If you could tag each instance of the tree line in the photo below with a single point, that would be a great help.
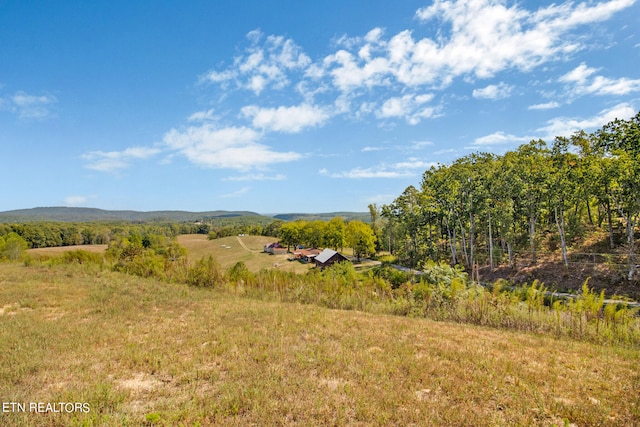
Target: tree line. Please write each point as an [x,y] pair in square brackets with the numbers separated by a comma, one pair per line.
[335,234]
[484,208]
[45,234]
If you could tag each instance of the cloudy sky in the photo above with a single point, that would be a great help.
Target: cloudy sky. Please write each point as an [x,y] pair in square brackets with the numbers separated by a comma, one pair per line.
[291,106]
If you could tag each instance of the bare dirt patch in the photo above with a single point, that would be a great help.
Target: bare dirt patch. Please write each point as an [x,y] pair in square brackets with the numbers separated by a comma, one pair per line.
[557,277]
[139,383]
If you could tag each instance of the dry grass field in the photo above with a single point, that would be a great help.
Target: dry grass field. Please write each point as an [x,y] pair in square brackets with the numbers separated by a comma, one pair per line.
[45,252]
[248,249]
[144,352]
[227,251]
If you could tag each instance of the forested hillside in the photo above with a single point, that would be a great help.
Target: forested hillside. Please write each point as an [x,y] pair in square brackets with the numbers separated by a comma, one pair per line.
[543,199]
[69,214]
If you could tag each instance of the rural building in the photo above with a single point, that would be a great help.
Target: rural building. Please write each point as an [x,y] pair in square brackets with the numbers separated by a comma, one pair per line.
[306,255]
[328,257]
[275,248]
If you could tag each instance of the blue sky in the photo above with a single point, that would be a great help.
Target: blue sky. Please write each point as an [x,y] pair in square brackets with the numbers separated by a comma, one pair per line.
[290,106]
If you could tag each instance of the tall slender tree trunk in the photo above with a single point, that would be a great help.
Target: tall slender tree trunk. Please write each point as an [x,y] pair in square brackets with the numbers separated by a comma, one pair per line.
[490,242]
[631,243]
[463,240]
[532,233]
[452,242]
[589,211]
[561,232]
[609,219]
[472,243]
[610,225]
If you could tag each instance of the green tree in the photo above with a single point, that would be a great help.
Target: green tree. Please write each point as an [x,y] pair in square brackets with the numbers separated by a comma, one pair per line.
[374,212]
[406,213]
[292,233]
[360,237]
[334,233]
[620,140]
[273,228]
[314,233]
[532,168]
[13,247]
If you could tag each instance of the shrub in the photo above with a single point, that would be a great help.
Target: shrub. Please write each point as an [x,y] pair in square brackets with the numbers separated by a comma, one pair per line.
[442,273]
[82,257]
[205,273]
[13,247]
[239,273]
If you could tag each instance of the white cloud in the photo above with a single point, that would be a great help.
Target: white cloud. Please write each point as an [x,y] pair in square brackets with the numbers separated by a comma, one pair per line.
[499,138]
[563,126]
[112,161]
[349,72]
[76,200]
[29,107]
[584,13]
[445,151]
[560,126]
[413,163]
[475,40]
[361,173]
[546,106]
[232,147]
[202,116]
[264,65]
[418,145]
[584,81]
[239,193]
[478,39]
[410,168]
[286,119]
[409,107]
[493,92]
[396,107]
[369,149]
[257,177]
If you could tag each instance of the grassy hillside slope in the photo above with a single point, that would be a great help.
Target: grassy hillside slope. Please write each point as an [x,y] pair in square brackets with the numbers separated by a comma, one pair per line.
[141,351]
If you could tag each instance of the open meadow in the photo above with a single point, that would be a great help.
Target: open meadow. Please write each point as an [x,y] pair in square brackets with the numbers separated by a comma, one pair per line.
[248,249]
[143,352]
[57,250]
[227,251]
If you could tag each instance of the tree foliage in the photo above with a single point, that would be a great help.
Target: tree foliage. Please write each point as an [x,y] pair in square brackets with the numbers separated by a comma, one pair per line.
[483,209]
[360,237]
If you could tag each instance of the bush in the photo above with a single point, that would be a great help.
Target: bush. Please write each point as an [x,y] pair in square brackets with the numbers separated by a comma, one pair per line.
[205,273]
[239,273]
[12,247]
[442,273]
[82,257]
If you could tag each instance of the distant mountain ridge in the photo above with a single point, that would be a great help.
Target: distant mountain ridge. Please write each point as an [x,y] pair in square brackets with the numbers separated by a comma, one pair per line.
[76,214]
[72,214]
[362,216]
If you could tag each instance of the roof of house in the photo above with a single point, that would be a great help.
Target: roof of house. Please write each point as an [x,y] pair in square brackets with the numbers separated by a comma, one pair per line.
[307,252]
[326,255]
[273,245]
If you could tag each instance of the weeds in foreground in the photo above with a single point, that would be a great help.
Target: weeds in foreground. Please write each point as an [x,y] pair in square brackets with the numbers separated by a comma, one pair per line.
[141,351]
[441,292]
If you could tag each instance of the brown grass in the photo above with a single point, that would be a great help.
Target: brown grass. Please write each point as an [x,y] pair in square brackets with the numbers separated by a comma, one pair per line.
[61,249]
[145,352]
[228,250]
